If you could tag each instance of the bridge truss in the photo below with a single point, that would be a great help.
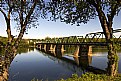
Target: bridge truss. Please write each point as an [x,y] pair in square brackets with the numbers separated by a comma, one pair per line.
[97,37]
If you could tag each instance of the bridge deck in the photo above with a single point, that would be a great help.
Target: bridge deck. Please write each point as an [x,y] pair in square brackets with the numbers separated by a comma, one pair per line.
[97,38]
[82,43]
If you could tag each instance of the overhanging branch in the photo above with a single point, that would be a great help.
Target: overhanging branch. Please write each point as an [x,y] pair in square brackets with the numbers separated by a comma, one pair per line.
[4,14]
[30,13]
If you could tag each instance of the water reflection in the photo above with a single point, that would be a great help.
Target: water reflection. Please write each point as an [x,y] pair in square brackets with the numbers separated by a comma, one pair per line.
[5,61]
[24,50]
[30,63]
[42,66]
[83,62]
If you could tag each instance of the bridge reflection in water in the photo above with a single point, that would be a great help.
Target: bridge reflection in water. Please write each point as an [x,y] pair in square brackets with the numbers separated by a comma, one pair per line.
[63,57]
[74,61]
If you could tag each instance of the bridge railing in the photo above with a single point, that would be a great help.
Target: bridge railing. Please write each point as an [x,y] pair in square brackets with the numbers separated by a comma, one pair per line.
[90,37]
[95,37]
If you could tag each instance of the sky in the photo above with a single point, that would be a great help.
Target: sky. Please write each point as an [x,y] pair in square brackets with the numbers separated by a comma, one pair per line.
[59,29]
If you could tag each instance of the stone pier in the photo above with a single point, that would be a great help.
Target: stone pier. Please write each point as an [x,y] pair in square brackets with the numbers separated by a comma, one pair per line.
[83,50]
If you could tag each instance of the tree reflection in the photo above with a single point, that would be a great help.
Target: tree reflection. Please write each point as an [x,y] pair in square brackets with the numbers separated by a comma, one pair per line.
[6,59]
[5,62]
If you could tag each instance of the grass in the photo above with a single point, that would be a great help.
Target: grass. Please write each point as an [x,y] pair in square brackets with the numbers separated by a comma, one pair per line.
[92,77]
[89,77]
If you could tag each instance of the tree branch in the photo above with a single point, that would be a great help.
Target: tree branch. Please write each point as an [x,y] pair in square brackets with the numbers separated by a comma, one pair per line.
[102,18]
[30,12]
[7,18]
[21,13]
[4,14]
[23,27]
[112,13]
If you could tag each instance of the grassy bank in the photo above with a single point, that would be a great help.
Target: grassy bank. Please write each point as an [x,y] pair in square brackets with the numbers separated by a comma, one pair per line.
[89,77]
[92,77]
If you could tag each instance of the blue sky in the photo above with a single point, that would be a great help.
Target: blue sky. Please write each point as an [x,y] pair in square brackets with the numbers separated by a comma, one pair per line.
[59,29]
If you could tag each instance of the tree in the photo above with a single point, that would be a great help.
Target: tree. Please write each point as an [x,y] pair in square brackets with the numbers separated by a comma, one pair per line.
[24,13]
[81,11]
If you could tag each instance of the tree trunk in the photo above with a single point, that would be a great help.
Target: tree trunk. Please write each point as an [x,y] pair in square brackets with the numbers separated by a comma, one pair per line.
[112,53]
[112,68]
[108,32]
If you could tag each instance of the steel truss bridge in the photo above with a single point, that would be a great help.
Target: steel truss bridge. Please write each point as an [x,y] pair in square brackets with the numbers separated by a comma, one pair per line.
[97,38]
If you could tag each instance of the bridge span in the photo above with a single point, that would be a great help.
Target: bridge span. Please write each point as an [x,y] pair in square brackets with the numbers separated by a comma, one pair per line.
[84,43]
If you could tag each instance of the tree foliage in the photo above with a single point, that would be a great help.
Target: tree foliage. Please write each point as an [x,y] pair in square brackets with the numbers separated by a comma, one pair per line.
[21,8]
[25,13]
[81,11]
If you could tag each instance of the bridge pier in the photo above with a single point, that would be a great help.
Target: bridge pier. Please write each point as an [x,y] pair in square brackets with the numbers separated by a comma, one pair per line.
[83,50]
[51,47]
[38,46]
[48,48]
[53,50]
[41,47]
[76,53]
[59,49]
[45,47]
[83,55]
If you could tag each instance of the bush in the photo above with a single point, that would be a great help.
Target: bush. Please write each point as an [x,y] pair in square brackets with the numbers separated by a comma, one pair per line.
[92,77]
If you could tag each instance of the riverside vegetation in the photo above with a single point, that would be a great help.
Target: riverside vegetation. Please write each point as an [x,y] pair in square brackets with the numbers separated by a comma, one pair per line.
[26,14]
[92,77]
[89,77]
[23,43]
[74,77]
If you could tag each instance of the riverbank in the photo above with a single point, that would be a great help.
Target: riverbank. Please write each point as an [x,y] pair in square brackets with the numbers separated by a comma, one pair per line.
[93,77]
[89,77]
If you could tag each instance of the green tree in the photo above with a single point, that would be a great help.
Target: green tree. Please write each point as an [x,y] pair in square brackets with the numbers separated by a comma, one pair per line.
[81,11]
[24,13]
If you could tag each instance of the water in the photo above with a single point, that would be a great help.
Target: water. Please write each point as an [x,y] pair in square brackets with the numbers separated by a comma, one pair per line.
[35,64]
[31,64]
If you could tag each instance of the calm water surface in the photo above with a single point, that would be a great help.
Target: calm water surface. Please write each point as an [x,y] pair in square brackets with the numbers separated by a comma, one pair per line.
[33,63]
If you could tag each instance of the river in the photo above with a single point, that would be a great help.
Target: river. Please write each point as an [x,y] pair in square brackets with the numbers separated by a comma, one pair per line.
[31,63]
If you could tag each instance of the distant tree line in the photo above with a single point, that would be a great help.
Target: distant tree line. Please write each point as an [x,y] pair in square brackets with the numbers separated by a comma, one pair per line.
[23,43]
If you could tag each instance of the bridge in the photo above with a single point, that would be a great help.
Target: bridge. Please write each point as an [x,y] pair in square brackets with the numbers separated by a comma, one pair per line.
[77,64]
[97,38]
[84,43]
